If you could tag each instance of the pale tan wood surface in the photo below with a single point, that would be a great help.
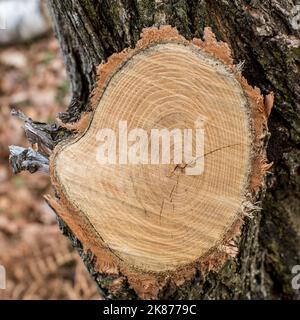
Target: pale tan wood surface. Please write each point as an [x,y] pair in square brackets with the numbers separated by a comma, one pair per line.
[153,217]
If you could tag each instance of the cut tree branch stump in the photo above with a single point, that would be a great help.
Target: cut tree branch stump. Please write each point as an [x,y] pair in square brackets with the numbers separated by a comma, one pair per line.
[148,226]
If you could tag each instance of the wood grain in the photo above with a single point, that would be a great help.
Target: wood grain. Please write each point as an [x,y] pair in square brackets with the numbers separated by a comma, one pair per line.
[153,217]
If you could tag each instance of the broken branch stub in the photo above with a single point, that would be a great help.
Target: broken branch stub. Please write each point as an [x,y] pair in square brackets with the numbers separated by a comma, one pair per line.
[26,159]
[156,185]
[44,135]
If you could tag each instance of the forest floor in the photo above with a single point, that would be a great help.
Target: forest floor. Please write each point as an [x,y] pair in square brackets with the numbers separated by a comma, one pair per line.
[39,261]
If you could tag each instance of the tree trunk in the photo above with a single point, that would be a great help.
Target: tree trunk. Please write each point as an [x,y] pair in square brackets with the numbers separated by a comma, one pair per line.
[264,36]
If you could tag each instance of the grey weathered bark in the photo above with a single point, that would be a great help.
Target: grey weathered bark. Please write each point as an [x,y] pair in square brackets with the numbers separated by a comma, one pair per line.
[263,35]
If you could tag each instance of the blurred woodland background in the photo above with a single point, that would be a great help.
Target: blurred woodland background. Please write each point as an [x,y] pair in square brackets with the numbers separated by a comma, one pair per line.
[40,262]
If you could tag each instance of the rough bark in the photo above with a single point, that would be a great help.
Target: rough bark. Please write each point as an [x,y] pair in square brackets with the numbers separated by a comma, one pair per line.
[263,38]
